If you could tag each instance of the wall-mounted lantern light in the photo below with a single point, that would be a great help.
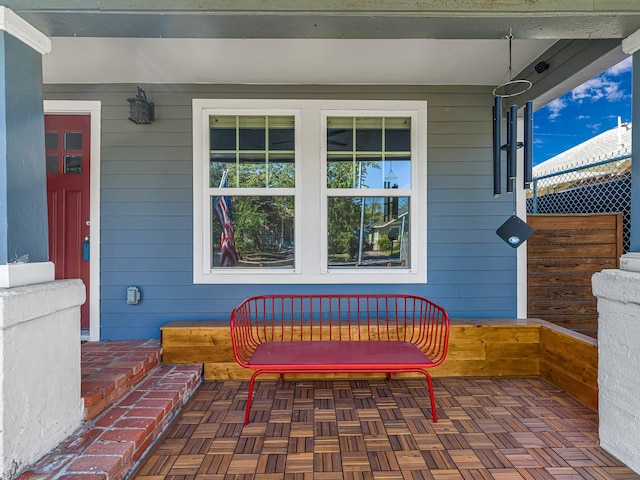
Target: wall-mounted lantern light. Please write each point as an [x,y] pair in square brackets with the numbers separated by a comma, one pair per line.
[140,110]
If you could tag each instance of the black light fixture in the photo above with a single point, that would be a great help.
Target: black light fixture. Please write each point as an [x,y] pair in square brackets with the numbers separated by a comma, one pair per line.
[140,110]
[515,231]
[541,66]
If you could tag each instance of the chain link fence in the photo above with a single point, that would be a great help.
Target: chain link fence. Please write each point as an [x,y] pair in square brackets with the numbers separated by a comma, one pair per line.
[598,187]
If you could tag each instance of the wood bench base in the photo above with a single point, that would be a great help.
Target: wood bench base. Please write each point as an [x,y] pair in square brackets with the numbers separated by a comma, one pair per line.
[477,348]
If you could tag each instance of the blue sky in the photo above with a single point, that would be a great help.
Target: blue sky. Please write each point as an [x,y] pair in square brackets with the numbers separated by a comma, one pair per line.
[584,112]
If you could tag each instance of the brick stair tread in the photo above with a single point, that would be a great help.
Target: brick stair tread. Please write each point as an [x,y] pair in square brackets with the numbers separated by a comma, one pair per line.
[113,370]
[109,446]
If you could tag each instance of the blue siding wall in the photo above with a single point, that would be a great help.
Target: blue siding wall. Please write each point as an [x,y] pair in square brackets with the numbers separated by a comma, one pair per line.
[147,206]
[23,194]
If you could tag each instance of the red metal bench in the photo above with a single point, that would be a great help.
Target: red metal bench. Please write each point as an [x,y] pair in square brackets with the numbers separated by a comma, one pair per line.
[339,334]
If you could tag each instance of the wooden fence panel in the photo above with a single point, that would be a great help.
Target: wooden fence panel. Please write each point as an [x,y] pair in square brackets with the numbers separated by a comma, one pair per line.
[563,254]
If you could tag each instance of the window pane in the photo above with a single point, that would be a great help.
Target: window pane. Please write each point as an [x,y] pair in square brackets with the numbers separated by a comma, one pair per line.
[222,132]
[369,134]
[251,133]
[368,231]
[382,154]
[258,231]
[281,133]
[340,134]
[251,170]
[397,134]
[219,163]
[281,170]
[341,171]
[396,173]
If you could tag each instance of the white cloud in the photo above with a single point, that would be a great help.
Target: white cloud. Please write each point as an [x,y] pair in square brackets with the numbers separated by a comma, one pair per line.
[583,117]
[623,67]
[591,89]
[613,92]
[596,89]
[555,107]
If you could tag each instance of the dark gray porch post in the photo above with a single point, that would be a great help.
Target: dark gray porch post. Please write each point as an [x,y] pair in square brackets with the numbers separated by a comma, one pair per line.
[24,248]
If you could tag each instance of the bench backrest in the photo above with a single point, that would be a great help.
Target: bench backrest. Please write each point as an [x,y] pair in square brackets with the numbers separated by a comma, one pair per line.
[392,317]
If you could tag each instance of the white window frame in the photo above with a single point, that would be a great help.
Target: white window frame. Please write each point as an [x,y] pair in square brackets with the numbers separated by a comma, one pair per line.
[310,192]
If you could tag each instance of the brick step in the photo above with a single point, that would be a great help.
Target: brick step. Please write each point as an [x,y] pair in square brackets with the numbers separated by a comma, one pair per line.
[110,370]
[109,446]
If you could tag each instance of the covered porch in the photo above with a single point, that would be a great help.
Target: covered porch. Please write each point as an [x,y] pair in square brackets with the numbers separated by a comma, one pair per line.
[142,216]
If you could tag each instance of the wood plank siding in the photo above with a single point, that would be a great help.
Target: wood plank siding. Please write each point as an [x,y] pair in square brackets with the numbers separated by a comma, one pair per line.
[563,254]
[147,206]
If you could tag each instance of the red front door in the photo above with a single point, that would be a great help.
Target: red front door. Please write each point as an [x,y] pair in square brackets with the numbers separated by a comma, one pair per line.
[67,157]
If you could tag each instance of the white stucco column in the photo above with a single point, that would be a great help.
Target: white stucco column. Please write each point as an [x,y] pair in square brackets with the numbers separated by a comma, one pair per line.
[40,400]
[618,293]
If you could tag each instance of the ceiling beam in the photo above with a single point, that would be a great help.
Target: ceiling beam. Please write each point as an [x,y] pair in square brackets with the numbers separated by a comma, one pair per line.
[463,19]
[457,8]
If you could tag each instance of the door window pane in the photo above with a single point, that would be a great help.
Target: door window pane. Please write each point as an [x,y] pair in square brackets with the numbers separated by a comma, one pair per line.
[51,140]
[73,140]
[52,163]
[73,164]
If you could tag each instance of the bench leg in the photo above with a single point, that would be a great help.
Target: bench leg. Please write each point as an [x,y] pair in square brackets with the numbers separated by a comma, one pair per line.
[388,376]
[433,401]
[249,396]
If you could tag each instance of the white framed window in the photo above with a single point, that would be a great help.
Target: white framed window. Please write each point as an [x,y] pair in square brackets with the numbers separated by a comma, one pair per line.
[309,191]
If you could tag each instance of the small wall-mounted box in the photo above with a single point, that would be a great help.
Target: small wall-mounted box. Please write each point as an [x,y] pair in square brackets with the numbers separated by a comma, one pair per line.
[133,295]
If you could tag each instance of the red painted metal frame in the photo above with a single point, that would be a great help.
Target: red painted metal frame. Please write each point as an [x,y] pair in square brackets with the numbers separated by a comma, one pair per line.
[382,321]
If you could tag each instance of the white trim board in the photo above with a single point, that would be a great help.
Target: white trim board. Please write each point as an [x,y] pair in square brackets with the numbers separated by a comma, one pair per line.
[92,108]
[24,31]
[20,274]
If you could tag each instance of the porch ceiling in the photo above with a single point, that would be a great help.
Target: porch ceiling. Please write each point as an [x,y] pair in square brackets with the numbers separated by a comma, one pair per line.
[319,41]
